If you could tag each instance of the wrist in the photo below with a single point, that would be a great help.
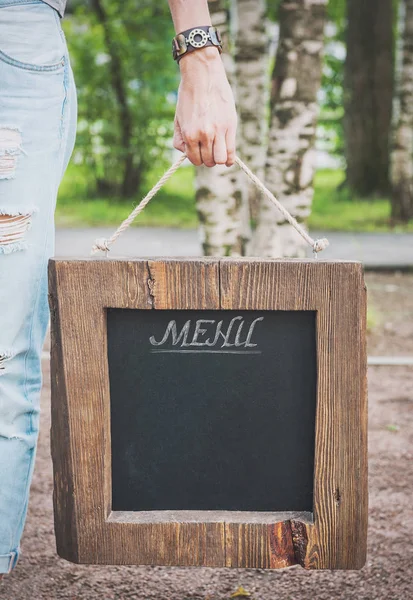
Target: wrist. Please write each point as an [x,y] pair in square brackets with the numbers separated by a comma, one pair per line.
[208,57]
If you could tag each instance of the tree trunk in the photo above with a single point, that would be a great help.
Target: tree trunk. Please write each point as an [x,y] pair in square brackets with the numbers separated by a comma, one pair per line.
[402,157]
[251,64]
[368,85]
[131,175]
[219,189]
[291,155]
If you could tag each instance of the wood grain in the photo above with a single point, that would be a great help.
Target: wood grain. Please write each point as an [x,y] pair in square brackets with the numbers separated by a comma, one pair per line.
[336,291]
[86,529]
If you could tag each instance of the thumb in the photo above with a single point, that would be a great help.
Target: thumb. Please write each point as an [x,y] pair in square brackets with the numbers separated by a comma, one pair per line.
[178,140]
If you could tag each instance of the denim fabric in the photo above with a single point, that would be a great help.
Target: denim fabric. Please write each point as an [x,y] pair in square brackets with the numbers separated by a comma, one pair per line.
[37,130]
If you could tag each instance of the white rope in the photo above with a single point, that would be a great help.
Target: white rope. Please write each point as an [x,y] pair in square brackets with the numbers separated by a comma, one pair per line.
[104,244]
[317,245]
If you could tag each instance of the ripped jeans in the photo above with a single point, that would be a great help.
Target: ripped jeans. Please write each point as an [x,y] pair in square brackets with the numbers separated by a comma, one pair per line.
[37,130]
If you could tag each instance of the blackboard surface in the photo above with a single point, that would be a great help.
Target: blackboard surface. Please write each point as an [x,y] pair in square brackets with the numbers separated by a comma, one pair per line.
[214,416]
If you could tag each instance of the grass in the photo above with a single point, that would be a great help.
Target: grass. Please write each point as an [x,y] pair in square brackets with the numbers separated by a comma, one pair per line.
[174,205]
[336,210]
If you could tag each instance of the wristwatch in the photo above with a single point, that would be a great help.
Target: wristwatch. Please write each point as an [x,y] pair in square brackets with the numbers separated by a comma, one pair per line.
[195,38]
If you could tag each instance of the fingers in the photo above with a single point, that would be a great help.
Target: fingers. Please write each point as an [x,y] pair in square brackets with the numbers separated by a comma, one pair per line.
[212,147]
[230,140]
[208,146]
[188,144]
[178,140]
[220,149]
[214,150]
[206,138]
[193,150]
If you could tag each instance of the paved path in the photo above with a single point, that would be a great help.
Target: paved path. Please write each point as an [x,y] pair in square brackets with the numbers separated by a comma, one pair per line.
[375,250]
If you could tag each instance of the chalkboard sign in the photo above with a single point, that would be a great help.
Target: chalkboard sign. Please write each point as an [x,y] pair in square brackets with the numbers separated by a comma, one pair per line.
[209,412]
[206,404]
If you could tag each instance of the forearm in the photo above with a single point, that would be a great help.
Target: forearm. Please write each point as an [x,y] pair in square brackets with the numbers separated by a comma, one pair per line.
[189,13]
[205,119]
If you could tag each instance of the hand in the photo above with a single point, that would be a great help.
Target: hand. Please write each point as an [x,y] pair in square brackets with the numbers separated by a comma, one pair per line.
[206,119]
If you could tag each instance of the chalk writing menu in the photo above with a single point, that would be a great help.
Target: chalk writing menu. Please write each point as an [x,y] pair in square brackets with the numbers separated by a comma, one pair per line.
[212,410]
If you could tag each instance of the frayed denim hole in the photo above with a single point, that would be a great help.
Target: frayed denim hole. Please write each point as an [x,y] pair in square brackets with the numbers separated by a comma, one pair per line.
[10,148]
[13,229]
[5,355]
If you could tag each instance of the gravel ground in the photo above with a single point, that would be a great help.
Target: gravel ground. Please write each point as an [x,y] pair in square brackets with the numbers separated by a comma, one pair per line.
[388,572]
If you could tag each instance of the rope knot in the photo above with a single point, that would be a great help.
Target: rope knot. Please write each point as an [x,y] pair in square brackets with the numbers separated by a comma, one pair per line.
[100,244]
[320,245]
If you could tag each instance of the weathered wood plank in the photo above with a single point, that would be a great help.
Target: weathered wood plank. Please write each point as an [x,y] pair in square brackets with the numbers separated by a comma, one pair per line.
[63,494]
[184,284]
[81,290]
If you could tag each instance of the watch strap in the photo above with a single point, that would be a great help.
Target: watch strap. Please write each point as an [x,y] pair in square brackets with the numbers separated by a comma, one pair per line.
[194,39]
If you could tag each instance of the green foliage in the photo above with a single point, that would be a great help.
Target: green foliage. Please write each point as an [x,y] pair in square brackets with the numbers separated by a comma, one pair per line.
[336,11]
[139,37]
[272,9]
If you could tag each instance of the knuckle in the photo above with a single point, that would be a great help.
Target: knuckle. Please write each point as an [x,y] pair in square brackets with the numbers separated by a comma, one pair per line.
[224,126]
[190,136]
[207,133]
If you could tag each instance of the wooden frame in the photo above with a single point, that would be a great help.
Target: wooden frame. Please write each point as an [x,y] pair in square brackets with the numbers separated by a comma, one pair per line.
[87,531]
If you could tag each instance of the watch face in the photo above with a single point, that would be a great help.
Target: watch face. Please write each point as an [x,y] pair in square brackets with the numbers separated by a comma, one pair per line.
[198,38]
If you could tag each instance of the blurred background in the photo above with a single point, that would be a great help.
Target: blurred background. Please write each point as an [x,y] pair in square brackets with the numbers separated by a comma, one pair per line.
[324,92]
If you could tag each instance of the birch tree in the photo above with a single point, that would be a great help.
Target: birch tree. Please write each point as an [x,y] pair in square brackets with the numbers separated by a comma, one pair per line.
[219,196]
[251,65]
[291,155]
[402,156]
